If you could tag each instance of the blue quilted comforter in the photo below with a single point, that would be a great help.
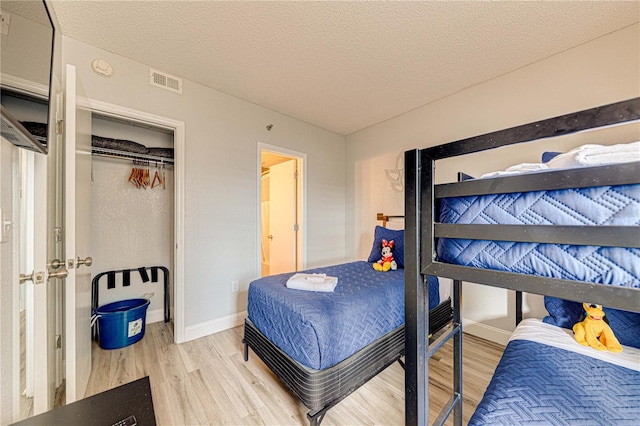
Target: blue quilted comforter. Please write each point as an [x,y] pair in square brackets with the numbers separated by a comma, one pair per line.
[605,205]
[538,384]
[319,329]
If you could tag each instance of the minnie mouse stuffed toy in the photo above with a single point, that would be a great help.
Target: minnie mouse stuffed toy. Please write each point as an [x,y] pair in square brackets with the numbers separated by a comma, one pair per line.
[386,262]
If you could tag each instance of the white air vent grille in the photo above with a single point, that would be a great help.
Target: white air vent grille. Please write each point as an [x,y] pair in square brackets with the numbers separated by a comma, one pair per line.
[165,81]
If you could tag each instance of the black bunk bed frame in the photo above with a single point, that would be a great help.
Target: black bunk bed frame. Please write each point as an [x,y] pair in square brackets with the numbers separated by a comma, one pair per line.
[422,230]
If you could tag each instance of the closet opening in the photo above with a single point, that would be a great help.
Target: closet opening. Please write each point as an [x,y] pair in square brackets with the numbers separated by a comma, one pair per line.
[132,213]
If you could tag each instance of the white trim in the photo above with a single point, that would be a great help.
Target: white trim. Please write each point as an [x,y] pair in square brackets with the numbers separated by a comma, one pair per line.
[214,326]
[179,163]
[485,331]
[117,111]
[23,86]
[302,157]
[15,186]
[178,128]
[43,364]
[26,260]
[69,220]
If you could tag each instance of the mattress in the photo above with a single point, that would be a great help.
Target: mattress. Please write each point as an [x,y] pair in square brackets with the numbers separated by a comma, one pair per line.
[319,330]
[546,377]
[603,205]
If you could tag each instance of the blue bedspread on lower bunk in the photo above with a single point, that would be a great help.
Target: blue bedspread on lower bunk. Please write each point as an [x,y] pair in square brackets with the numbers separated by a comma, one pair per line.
[605,205]
[319,329]
[538,384]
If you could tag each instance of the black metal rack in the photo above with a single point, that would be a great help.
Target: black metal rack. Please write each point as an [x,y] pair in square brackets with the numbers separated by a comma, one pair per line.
[126,281]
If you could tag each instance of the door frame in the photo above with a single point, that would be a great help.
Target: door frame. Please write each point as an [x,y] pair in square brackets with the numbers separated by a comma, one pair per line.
[26,258]
[178,128]
[301,159]
[9,288]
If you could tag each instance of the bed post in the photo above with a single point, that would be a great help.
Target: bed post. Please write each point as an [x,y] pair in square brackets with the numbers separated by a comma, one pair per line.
[457,351]
[518,307]
[416,301]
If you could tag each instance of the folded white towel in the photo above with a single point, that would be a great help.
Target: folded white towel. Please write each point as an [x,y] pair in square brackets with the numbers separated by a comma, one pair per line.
[518,168]
[585,155]
[594,155]
[316,278]
[312,282]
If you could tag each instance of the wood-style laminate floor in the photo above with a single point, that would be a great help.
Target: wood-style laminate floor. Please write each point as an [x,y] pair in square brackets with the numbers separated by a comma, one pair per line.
[207,382]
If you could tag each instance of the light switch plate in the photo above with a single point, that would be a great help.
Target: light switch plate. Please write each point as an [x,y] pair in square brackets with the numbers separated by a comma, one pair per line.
[5,227]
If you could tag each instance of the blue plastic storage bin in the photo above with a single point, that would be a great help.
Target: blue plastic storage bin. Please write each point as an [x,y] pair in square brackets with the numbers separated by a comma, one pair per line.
[121,323]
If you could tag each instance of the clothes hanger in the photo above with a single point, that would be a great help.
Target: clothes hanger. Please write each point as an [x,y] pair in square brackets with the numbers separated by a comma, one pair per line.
[145,180]
[156,178]
[164,179]
[133,177]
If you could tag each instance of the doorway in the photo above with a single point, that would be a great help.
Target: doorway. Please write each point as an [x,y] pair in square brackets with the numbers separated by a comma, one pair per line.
[131,123]
[281,217]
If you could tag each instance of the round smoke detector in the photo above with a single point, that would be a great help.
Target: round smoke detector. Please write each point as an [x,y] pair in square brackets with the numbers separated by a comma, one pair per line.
[102,67]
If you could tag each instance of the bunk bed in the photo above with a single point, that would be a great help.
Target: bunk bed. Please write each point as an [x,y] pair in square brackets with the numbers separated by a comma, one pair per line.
[427,254]
[323,345]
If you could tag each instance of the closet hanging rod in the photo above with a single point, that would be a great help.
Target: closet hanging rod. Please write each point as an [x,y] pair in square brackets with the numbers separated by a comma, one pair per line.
[114,153]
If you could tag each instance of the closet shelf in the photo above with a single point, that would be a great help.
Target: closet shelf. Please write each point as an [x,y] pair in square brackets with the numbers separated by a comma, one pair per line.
[106,152]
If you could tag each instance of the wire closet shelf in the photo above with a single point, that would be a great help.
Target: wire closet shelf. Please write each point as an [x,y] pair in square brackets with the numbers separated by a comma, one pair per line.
[114,153]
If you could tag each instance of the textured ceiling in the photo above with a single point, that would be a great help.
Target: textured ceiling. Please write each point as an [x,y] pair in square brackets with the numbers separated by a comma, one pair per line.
[342,66]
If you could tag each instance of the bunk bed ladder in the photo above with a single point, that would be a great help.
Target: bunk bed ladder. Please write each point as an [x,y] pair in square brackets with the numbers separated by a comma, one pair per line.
[419,347]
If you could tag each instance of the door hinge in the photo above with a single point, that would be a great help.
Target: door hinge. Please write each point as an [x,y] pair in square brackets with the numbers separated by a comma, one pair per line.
[59,124]
[295,175]
[58,341]
[296,227]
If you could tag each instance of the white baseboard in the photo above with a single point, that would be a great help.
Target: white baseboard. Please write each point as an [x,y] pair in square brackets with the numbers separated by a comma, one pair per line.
[210,327]
[484,331]
[156,315]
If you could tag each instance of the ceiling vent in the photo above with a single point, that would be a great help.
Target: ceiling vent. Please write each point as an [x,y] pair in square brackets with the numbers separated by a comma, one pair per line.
[165,81]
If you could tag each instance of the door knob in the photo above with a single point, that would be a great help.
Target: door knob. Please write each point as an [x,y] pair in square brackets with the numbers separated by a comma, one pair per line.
[35,277]
[61,273]
[56,264]
[24,277]
[86,262]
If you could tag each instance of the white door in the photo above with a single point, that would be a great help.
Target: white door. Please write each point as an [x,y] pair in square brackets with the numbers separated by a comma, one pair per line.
[77,237]
[44,336]
[282,217]
[37,294]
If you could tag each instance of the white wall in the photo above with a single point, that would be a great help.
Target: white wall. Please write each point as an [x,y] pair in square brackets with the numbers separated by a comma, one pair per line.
[221,198]
[602,71]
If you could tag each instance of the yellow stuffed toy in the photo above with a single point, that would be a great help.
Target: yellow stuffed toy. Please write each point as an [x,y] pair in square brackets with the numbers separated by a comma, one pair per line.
[594,330]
